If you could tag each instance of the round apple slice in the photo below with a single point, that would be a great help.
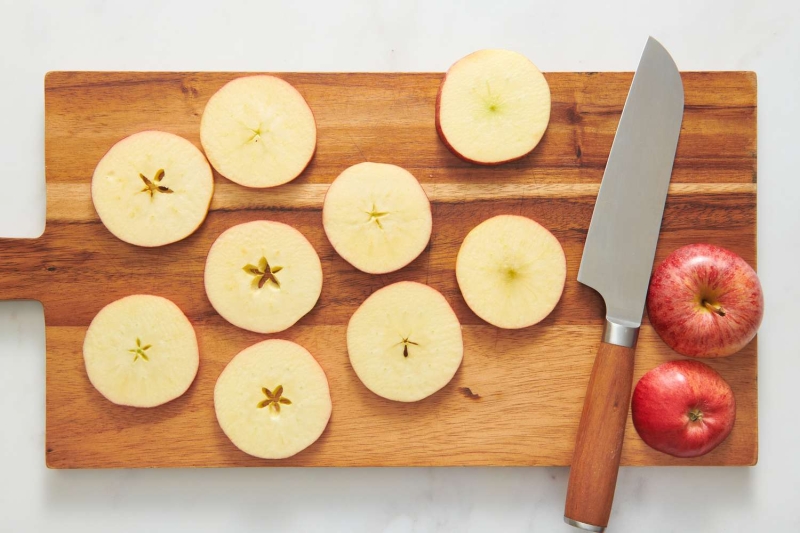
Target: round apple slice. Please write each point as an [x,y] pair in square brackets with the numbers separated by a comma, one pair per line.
[152,188]
[511,271]
[263,276]
[272,400]
[258,131]
[405,342]
[377,217]
[141,351]
[493,107]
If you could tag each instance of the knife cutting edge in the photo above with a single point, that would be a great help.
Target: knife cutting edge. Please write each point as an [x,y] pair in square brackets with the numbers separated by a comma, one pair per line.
[617,261]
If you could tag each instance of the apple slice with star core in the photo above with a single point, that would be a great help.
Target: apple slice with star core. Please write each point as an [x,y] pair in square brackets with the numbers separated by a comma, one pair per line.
[263,276]
[493,107]
[258,131]
[377,217]
[272,400]
[152,188]
[141,351]
[405,342]
[511,271]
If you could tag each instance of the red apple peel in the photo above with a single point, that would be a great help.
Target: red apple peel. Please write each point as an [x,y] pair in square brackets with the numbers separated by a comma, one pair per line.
[683,408]
[705,301]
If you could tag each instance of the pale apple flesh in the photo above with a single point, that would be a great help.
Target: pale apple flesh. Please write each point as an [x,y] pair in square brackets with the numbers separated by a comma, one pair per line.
[258,131]
[683,408]
[263,276]
[405,342]
[493,107]
[705,301]
[511,271]
[272,400]
[152,188]
[377,217]
[141,351]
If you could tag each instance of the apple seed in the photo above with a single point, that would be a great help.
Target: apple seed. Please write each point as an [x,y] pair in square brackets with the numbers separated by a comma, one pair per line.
[274,399]
[405,342]
[375,215]
[139,350]
[263,273]
[152,186]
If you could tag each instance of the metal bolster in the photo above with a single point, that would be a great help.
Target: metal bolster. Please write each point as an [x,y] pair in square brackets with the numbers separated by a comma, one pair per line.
[620,335]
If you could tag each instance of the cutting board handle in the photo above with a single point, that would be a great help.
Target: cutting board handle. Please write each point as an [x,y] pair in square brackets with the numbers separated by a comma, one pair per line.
[595,463]
[23,269]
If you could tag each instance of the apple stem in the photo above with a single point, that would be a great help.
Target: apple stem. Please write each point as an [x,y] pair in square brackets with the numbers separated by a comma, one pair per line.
[714,308]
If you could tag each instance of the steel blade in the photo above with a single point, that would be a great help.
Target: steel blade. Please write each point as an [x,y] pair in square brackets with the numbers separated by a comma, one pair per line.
[621,242]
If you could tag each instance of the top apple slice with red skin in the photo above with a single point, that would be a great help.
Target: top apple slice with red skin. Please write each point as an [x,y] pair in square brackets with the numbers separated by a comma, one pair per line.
[683,408]
[528,107]
[705,301]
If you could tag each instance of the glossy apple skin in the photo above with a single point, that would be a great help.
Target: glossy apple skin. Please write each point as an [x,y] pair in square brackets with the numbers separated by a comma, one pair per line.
[703,273]
[668,397]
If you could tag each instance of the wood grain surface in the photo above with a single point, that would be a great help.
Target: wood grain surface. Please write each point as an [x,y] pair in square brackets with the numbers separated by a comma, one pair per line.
[517,398]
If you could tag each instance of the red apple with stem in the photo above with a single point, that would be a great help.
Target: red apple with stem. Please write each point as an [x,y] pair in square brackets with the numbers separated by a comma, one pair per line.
[683,408]
[705,301]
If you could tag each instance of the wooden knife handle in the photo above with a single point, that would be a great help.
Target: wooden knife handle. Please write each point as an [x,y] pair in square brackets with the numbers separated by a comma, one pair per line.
[595,463]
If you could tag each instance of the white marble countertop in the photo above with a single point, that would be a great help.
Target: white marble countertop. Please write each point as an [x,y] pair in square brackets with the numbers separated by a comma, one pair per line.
[398,36]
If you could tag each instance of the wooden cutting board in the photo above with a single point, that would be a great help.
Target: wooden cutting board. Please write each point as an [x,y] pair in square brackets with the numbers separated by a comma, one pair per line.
[516,399]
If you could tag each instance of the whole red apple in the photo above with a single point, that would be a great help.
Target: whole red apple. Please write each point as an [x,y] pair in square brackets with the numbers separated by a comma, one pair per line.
[705,301]
[683,408]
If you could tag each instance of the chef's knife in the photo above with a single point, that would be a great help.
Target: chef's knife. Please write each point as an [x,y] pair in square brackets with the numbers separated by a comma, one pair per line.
[617,261]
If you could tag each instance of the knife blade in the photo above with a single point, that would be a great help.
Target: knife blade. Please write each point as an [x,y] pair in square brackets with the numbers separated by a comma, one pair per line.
[617,262]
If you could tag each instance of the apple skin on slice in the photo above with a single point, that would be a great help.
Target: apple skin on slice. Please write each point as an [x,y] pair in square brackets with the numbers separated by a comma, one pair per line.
[262,276]
[511,271]
[152,188]
[405,342]
[258,131]
[377,217]
[272,400]
[683,408]
[141,351]
[493,107]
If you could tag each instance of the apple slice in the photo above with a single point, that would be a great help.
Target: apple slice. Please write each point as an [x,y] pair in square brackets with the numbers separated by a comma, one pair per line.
[272,400]
[377,217]
[405,342]
[152,188]
[141,351]
[511,271]
[493,107]
[263,276]
[258,131]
